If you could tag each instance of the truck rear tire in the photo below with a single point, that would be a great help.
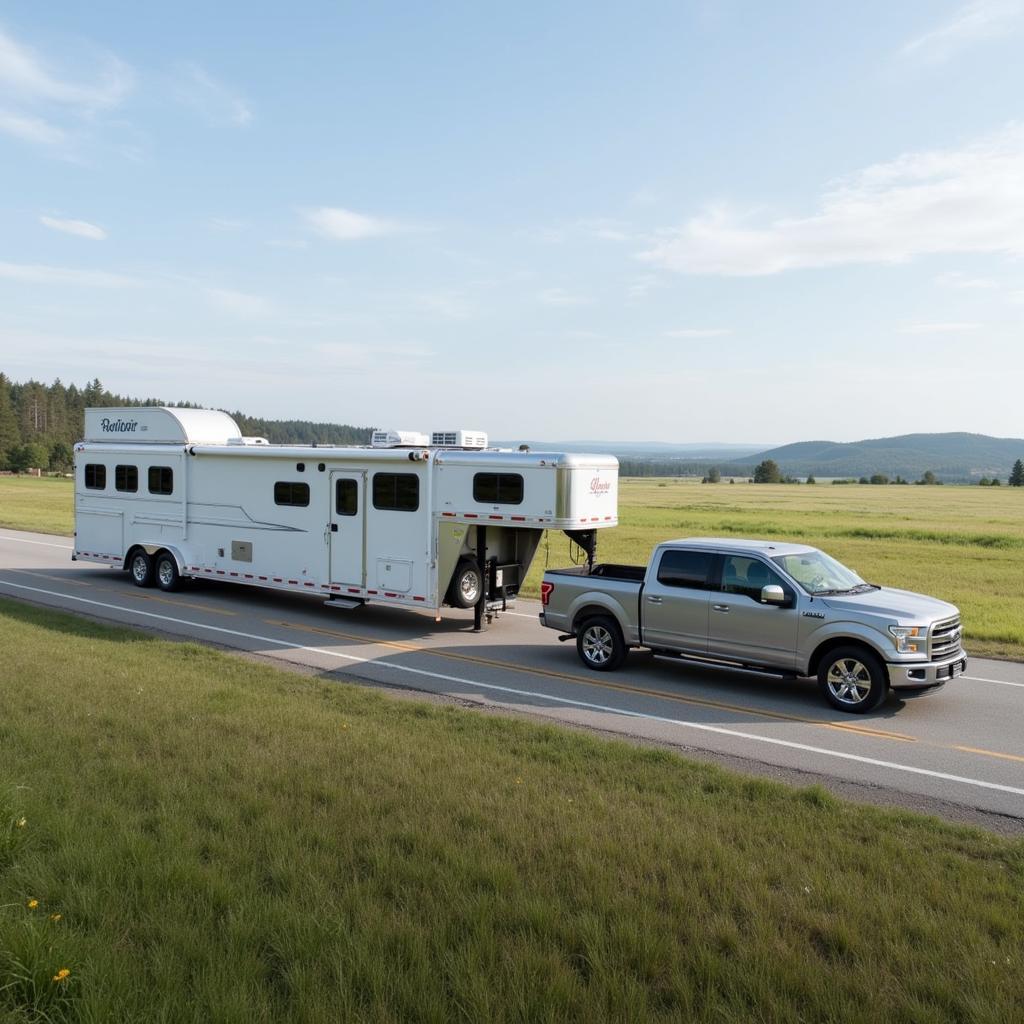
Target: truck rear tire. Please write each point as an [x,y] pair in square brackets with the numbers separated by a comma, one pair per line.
[853,680]
[466,585]
[140,565]
[600,645]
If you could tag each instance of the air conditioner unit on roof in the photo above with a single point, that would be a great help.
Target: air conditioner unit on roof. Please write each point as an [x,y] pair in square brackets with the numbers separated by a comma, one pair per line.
[399,439]
[458,439]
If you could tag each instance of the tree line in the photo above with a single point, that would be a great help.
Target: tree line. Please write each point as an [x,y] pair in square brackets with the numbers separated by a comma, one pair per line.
[40,423]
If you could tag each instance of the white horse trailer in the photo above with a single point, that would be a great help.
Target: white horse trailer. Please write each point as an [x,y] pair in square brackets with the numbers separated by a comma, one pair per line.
[412,520]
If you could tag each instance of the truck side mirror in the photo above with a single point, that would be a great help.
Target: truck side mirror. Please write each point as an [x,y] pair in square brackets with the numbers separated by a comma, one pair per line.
[773,594]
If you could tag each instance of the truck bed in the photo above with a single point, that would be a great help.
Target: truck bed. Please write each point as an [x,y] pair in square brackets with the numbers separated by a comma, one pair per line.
[606,570]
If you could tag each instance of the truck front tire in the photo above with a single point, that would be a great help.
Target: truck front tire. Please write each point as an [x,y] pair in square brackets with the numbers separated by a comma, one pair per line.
[852,679]
[600,645]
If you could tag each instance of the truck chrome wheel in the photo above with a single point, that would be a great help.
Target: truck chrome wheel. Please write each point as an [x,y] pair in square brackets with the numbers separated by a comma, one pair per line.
[600,645]
[849,681]
[467,585]
[853,679]
[597,644]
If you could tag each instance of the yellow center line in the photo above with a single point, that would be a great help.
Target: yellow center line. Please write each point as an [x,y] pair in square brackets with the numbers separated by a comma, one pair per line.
[703,702]
[990,753]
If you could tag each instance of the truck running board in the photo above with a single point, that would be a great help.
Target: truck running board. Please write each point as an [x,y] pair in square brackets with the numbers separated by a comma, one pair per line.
[344,602]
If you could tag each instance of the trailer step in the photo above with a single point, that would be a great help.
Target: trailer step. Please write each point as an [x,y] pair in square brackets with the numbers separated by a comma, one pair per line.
[344,602]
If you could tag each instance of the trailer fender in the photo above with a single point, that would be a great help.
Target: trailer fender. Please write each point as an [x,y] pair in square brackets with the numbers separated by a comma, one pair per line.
[153,549]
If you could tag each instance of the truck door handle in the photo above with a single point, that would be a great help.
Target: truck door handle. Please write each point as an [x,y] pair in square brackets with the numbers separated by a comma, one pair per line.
[721,607]
[653,599]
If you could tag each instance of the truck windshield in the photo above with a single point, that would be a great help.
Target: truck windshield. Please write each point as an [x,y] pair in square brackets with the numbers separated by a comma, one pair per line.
[817,573]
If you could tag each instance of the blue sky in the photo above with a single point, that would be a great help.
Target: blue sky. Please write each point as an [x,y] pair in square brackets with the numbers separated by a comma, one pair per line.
[705,221]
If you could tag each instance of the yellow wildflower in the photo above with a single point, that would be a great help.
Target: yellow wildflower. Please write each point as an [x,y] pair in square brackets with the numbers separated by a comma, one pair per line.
[32,904]
[21,822]
[55,917]
[62,975]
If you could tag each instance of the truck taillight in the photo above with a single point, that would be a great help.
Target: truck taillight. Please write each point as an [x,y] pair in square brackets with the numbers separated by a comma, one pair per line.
[545,592]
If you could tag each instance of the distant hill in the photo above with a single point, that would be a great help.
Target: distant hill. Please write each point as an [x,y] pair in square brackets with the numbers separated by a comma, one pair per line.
[955,456]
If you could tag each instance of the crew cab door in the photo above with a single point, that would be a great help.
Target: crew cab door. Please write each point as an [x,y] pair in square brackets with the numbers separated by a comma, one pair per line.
[741,628]
[675,600]
[346,526]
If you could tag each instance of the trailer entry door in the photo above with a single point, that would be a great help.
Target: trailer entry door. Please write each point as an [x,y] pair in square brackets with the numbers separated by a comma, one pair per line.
[348,528]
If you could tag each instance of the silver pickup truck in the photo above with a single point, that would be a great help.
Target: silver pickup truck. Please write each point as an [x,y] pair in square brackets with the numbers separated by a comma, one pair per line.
[787,609]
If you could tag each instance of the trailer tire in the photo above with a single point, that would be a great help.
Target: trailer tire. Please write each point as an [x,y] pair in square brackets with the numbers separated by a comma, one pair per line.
[140,567]
[600,645]
[467,585]
[166,571]
[852,679]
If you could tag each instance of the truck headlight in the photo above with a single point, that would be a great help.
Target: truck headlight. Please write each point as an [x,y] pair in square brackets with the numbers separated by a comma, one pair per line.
[910,639]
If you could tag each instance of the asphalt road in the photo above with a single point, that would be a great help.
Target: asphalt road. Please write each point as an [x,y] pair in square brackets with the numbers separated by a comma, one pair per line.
[958,752]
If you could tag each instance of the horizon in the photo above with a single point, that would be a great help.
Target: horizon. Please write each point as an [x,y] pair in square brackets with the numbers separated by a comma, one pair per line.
[653,223]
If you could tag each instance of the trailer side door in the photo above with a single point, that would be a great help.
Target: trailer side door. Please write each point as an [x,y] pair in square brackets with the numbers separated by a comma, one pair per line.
[348,527]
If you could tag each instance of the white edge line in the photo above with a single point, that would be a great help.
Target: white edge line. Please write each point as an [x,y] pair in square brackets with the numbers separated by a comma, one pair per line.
[982,679]
[41,543]
[700,726]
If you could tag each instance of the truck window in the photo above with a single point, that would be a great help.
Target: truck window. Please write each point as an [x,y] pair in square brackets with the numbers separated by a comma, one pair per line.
[346,497]
[95,476]
[396,492]
[498,488]
[288,493]
[161,480]
[688,569]
[126,478]
[741,575]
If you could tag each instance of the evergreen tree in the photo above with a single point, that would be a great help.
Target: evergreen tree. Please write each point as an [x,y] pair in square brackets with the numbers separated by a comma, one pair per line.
[10,435]
[767,472]
[1017,474]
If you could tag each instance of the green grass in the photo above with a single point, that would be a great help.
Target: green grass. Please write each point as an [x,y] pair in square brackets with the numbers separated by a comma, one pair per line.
[963,544]
[228,842]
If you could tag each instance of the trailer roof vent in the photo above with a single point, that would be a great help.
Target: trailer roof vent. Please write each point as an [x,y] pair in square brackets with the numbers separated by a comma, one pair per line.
[458,439]
[398,439]
[248,440]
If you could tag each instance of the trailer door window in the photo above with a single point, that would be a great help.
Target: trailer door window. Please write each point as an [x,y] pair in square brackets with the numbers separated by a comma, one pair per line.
[498,488]
[126,478]
[161,480]
[687,569]
[95,476]
[397,492]
[346,498]
[288,493]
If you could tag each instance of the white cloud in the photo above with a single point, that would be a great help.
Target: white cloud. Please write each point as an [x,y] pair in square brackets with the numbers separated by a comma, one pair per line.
[447,303]
[31,129]
[958,279]
[561,297]
[197,88]
[972,23]
[939,328]
[82,228]
[941,201]
[38,273]
[697,332]
[239,303]
[349,226]
[24,75]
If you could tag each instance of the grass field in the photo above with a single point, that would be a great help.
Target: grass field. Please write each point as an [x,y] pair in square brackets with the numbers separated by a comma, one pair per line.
[223,841]
[963,544]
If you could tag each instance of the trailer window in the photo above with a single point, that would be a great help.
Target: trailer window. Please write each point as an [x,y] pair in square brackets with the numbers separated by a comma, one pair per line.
[498,488]
[95,476]
[346,498]
[288,493]
[687,569]
[397,492]
[126,478]
[161,480]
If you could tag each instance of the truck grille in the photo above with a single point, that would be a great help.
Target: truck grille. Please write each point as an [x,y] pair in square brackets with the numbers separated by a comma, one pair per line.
[944,639]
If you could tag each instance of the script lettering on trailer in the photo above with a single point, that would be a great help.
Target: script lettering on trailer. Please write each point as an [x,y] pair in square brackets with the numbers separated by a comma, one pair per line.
[119,426]
[599,486]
